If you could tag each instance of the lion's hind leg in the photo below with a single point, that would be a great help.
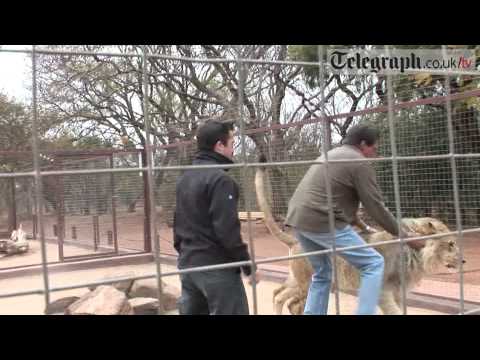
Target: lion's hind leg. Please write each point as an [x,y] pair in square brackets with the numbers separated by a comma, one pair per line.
[281,295]
[296,304]
[388,304]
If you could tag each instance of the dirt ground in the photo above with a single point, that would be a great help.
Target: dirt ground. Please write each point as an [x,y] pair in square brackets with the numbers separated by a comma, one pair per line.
[130,238]
[35,304]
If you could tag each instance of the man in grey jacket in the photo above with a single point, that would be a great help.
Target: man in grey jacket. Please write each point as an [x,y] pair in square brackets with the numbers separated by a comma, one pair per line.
[351,183]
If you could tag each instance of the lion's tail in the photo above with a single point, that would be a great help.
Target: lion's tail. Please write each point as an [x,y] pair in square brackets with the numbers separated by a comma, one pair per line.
[270,223]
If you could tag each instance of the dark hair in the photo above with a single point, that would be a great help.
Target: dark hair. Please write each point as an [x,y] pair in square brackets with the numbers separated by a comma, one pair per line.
[212,131]
[358,133]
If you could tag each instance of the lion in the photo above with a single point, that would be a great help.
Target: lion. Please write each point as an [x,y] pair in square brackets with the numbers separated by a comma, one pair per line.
[437,252]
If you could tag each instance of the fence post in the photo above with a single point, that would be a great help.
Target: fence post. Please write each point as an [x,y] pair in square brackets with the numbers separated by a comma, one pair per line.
[60,202]
[34,226]
[114,223]
[96,234]
[147,204]
[13,207]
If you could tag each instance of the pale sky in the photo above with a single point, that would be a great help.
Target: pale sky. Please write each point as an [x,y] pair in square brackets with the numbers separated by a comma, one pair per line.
[14,73]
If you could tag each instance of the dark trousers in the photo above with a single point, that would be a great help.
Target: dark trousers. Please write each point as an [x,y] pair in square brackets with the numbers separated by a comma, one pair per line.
[217,292]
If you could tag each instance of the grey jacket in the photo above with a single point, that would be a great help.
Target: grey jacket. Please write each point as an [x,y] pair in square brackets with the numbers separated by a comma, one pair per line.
[351,184]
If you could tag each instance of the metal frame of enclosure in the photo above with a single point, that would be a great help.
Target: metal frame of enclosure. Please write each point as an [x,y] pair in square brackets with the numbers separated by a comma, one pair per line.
[149,170]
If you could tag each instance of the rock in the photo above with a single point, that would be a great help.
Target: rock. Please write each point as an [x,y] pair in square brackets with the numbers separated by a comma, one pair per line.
[104,300]
[123,286]
[144,306]
[147,288]
[59,306]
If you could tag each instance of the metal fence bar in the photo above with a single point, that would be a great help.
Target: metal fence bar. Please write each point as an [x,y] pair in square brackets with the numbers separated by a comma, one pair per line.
[96,233]
[430,71]
[114,206]
[456,200]
[38,178]
[161,56]
[328,184]
[241,88]
[475,311]
[396,185]
[18,174]
[222,60]
[241,165]
[151,191]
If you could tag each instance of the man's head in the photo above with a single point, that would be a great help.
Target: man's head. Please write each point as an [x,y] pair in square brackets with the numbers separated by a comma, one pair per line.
[216,136]
[365,138]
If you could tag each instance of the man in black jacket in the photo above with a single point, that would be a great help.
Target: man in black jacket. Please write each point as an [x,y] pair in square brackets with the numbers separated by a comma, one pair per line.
[207,228]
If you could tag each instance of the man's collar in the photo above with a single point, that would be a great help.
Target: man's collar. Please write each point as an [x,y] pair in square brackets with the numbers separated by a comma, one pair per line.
[354,148]
[205,156]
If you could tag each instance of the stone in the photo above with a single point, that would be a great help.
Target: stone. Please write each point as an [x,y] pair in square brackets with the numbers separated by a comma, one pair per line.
[123,286]
[104,300]
[144,306]
[147,288]
[59,306]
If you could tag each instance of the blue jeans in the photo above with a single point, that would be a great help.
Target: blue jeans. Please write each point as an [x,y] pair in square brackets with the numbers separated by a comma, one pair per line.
[367,260]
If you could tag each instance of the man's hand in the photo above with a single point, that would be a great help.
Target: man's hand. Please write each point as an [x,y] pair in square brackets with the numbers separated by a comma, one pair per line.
[415,244]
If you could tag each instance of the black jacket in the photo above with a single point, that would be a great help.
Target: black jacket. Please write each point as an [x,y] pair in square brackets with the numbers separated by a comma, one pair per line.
[206,225]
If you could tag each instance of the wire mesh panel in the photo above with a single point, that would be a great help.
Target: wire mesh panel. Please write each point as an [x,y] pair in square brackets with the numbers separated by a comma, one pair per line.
[136,110]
